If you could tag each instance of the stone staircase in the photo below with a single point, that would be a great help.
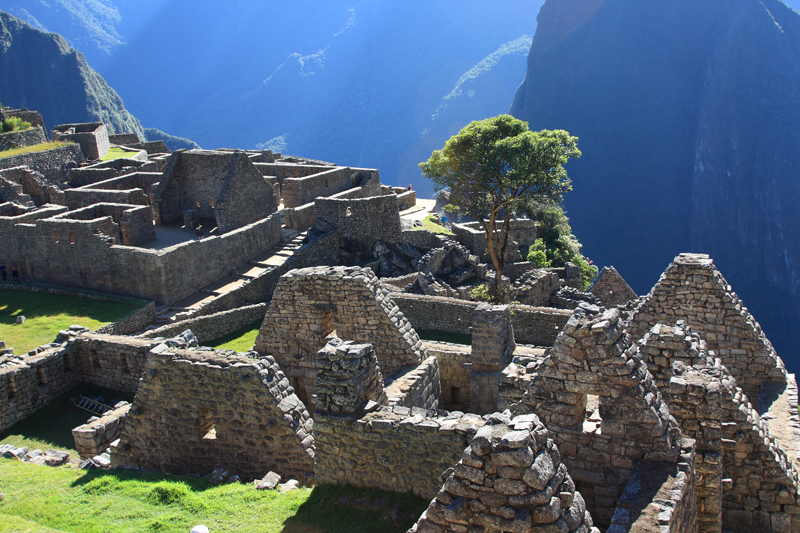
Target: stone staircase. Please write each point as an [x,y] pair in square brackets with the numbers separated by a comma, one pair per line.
[257,266]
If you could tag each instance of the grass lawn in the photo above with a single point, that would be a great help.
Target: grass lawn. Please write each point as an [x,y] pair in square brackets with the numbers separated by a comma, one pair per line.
[35,148]
[47,314]
[68,499]
[115,152]
[240,340]
[430,225]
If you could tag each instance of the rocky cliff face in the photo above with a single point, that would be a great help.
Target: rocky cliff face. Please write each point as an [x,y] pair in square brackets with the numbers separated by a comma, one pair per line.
[688,115]
[40,71]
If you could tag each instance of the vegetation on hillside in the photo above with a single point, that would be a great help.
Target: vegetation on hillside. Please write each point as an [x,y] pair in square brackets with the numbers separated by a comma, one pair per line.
[557,245]
[15,124]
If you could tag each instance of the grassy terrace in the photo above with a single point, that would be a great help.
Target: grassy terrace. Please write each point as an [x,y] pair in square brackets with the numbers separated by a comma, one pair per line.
[31,149]
[47,314]
[240,340]
[115,152]
[429,224]
[43,499]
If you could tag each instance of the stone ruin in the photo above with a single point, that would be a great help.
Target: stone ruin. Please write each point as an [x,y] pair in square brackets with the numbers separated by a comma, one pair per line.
[197,410]
[611,289]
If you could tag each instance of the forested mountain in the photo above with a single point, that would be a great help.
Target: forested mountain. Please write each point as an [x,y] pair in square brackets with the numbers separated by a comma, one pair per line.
[688,115]
[40,71]
[357,82]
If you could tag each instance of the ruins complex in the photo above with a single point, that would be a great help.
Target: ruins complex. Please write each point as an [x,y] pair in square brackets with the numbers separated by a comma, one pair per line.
[568,410]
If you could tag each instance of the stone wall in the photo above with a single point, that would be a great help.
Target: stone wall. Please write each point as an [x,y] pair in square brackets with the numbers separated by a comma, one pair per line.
[29,383]
[27,116]
[20,139]
[535,287]
[492,348]
[759,484]
[660,497]
[199,410]
[418,386]
[224,186]
[214,326]
[112,362]
[302,191]
[310,303]
[92,259]
[79,198]
[693,290]
[532,325]
[52,163]
[611,288]
[510,478]
[91,136]
[95,436]
[594,356]
[522,233]
[454,374]
[136,321]
[397,449]
[366,219]
[121,139]
[442,270]
[303,217]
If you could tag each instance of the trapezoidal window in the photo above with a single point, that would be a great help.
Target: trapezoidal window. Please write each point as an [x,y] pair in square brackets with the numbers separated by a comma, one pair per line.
[55,236]
[40,375]
[71,238]
[205,424]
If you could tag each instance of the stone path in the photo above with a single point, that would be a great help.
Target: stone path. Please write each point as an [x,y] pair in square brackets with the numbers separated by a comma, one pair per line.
[777,407]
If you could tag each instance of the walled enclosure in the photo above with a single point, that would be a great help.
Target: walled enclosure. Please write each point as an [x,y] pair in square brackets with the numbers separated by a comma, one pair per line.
[522,233]
[224,186]
[310,304]
[91,136]
[693,290]
[198,410]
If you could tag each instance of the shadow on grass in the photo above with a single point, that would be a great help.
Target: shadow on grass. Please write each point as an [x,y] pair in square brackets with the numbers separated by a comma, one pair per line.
[321,514]
[54,423]
[33,305]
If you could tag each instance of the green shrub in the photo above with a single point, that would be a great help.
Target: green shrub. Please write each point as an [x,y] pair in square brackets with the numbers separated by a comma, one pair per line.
[481,293]
[15,124]
[537,254]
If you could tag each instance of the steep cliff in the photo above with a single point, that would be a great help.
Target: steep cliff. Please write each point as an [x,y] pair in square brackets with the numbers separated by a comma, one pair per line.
[40,71]
[687,114]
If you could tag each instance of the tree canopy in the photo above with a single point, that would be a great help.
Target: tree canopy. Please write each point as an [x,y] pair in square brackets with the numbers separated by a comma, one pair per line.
[497,168]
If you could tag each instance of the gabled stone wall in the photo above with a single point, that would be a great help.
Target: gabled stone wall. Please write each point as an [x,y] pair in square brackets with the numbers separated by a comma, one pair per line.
[594,356]
[311,303]
[611,288]
[198,410]
[693,290]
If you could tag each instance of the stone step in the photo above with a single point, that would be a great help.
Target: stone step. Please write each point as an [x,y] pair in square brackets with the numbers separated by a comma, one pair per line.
[288,234]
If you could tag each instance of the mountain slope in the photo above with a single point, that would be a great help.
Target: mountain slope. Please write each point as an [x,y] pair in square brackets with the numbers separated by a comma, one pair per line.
[40,71]
[688,115]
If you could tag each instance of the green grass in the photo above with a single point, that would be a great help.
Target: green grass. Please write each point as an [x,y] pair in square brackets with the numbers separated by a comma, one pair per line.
[115,152]
[51,426]
[35,148]
[47,314]
[430,225]
[122,501]
[240,340]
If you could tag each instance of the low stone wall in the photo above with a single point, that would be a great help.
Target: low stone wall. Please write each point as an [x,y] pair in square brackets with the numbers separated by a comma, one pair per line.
[113,362]
[212,327]
[29,385]
[532,325]
[136,321]
[422,238]
[418,386]
[95,436]
[51,163]
[20,139]
[407,199]
[660,497]
[397,449]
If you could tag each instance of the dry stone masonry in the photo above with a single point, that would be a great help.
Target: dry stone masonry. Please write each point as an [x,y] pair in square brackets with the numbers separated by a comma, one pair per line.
[310,304]
[511,479]
[693,290]
[198,410]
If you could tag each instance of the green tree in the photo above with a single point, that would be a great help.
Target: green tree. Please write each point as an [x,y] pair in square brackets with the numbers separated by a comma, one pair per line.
[497,168]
